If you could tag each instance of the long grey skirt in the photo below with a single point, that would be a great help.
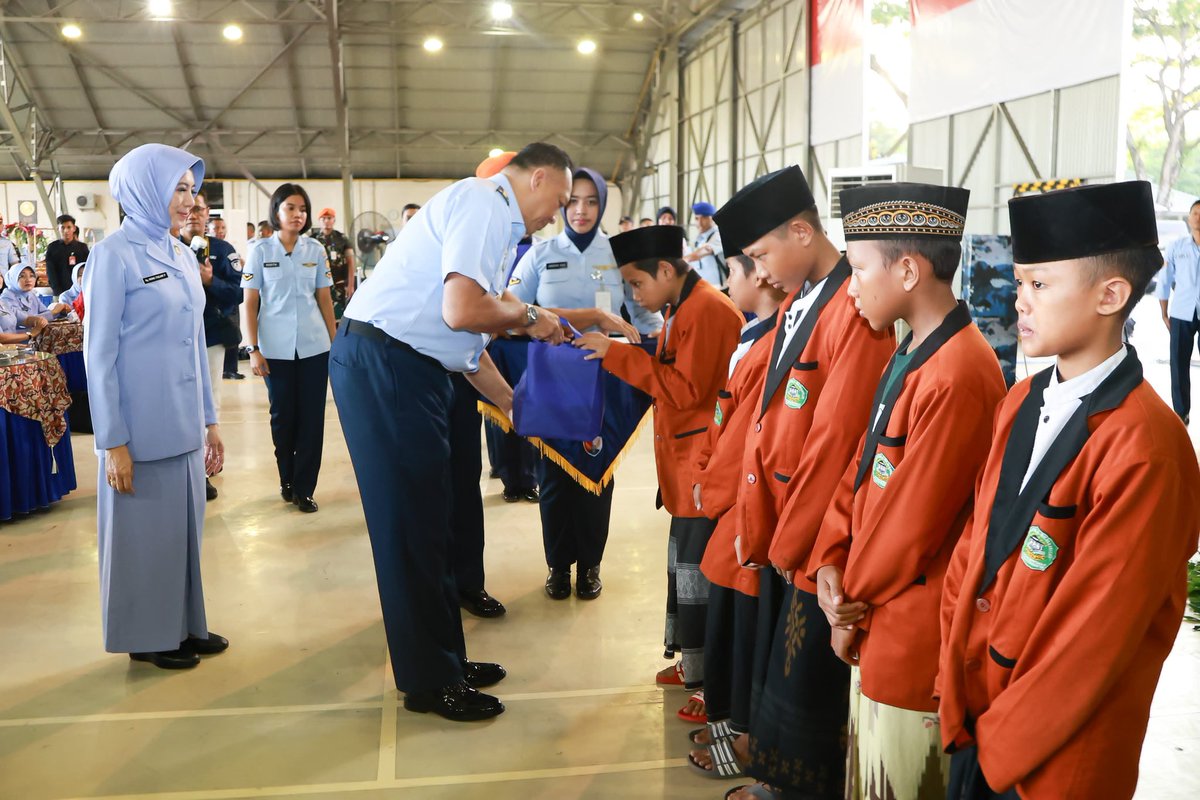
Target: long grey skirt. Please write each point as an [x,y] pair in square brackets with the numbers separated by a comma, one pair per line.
[151,597]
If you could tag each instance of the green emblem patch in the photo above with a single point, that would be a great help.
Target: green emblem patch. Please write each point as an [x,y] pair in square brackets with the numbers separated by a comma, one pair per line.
[881,470]
[1039,550]
[718,417]
[794,394]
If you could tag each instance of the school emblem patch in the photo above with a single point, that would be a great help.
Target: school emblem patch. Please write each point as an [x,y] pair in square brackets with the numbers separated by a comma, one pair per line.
[594,447]
[881,470]
[1039,550]
[718,417]
[795,395]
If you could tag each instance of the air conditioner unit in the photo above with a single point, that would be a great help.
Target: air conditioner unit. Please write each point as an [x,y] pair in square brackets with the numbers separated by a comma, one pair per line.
[850,177]
[87,202]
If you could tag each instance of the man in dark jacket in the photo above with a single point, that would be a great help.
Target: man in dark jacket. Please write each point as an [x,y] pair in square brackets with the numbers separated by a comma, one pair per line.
[63,254]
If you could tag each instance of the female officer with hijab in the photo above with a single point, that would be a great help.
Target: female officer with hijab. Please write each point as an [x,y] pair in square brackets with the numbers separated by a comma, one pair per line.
[289,319]
[576,276]
[151,400]
[21,302]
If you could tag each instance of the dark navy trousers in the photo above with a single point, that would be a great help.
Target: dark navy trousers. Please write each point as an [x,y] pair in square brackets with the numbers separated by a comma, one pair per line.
[396,407]
[574,521]
[297,389]
[1183,344]
[466,466]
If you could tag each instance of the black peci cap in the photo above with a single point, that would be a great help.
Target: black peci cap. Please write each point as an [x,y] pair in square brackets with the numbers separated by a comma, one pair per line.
[762,206]
[904,211]
[1082,222]
[653,241]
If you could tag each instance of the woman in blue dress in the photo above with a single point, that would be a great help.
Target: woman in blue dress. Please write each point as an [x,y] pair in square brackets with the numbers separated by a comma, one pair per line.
[151,401]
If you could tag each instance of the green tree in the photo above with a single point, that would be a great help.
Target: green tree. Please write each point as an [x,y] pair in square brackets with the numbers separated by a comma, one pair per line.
[1171,28]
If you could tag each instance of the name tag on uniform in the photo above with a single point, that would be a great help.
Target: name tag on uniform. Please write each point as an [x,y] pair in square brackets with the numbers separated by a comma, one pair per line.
[154,278]
[557,265]
[603,300]
[269,264]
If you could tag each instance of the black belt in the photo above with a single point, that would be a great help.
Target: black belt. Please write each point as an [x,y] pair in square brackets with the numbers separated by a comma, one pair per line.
[369,331]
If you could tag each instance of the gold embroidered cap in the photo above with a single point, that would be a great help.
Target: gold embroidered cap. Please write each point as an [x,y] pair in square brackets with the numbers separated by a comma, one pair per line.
[904,211]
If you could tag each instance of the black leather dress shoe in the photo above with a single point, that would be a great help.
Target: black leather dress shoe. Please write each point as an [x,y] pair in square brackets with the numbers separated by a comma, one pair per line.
[531,495]
[481,604]
[558,584]
[306,504]
[210,491]
[457,702]
[511,496]
[169,659]
[587,583]
[285,491]
[481,674]
[215,643]
[233,376]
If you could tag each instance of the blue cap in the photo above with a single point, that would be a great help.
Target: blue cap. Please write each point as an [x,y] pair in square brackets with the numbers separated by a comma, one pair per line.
[704,209]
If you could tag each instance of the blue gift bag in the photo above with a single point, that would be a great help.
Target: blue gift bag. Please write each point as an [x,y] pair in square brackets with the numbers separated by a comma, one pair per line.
[560,396]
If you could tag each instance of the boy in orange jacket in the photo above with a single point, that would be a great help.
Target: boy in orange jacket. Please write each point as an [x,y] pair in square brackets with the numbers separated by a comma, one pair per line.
[700,331]
[1066,593]
[885,542]
[806,419]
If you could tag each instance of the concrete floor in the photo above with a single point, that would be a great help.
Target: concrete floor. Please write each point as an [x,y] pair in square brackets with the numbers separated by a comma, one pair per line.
[302,704]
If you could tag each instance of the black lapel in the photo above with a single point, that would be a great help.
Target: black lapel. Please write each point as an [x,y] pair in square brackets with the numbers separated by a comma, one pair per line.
[689,283]
[759,329]
[954,322]
[778,369]
[1012,512]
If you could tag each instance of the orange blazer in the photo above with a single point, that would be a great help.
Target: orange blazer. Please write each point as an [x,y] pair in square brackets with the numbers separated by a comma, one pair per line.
[803,433]
[719,470]
[683,377]
[892,536]
[1055,628]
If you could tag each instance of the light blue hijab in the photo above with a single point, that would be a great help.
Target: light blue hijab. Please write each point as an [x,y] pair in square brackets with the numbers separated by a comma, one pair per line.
[16,299]
[144,181]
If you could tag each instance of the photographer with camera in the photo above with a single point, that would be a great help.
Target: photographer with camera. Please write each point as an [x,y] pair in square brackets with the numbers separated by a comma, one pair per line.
[221,274]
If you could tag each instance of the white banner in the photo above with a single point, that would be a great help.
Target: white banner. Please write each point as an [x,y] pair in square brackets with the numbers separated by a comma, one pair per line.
[968,54]
[836,55]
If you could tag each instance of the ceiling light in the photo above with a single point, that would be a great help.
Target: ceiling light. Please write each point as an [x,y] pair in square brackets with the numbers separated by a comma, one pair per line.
[495,151]
[232,32]
[72,31]
[639,16]
[587,47]
[501,11]
[159,8]
[433,44]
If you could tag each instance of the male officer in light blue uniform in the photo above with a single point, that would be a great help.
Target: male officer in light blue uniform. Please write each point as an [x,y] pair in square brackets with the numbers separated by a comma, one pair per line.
[428,310]
[706,256]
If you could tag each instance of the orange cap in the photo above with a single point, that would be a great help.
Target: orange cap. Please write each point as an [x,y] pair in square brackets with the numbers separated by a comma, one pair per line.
[493,164]
[326,212]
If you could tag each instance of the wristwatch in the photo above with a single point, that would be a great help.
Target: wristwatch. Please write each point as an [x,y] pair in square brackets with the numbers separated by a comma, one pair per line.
[531,315]
[253,348]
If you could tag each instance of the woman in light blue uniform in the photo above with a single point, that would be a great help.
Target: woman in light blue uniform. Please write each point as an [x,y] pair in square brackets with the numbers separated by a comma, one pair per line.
[576,276]
[21,302]
[76,288]
[151,398]
[289,316]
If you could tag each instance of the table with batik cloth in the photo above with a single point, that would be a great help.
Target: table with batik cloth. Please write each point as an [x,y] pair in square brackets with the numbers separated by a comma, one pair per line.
[64,338]
[590,464]
[36,463]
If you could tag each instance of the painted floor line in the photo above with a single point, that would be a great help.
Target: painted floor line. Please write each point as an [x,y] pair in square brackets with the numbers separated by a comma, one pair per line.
[399,783]
[386,704]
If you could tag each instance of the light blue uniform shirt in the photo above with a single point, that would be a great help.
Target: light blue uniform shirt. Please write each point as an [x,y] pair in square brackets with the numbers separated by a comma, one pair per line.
[290,324]
[1181,272]
[470,228]
[707,266]
[8,253]
[554,274]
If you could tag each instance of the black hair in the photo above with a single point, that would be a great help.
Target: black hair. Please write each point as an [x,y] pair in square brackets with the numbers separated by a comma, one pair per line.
[407,206]
[626,218]
[1195,203]
[745,262]
[543,154]
[650,265]
[943,256]
[68,218]
[285,191]
[262,222]
[1137,265]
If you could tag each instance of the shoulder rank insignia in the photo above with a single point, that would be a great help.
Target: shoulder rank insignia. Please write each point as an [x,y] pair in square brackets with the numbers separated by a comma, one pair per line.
[500,191]
[514,281]
[247,276]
